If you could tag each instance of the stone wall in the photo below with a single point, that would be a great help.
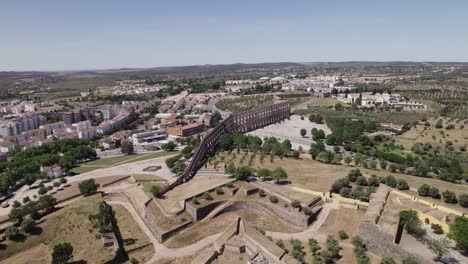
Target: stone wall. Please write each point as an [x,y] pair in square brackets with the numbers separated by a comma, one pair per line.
[238,122]
[382,243]
[293,215]
[198,213]
[158,232]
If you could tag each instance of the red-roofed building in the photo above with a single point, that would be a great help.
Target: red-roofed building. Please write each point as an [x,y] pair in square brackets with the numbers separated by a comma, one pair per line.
[187,130]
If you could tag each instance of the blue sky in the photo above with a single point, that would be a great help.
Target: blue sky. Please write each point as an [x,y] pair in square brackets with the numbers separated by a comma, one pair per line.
[98,34]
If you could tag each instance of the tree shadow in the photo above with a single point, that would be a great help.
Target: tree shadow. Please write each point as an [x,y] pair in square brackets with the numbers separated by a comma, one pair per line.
[36,231]
[18,238]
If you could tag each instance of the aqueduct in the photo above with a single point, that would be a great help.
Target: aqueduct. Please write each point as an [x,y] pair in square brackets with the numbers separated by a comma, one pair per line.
[237,122]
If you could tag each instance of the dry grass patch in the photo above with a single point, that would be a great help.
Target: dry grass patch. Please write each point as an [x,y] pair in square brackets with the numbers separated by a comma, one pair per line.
[132,235]
[69,224]
[39,253]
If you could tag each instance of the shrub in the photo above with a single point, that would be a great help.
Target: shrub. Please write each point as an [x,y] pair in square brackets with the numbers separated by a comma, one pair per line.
[449,197]
[16,204]
[313,246]
[353,175]
[219,191]
[230,185]
[402,185]
[88,187]
[207,196]
[195,201]
[409,260]
[424,190]
[280,244]
[464,200]
[373,181]
[62,253]
[295,204]
[243,173]
[273,199]
[342,234]
[261,193]
[388,260]
[42,191]
[361,180]
[56,184]
[391,181]
[437,229]
[307,210]
[434,193]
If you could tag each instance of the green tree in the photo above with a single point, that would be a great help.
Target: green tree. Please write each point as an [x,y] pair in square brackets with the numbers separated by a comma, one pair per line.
[359,159]
[230,168]
[458,230]
[391,181]
[434,193]
[342,234]
[313,246]
[47,203]
[303,132]
[402,185]
[449,197]
[62,253]
[27,225]
[410,220]
[126,147]
[243,173]
[332,249]
[424,190]
[348,160]
[104,218]
[88,187]
[11,232]
[156,190]
[464,200]
[264,173]
[169,146]
[279,174]
[353,175]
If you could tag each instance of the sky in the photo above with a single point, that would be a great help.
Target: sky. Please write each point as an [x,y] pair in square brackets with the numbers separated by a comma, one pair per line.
[105,34]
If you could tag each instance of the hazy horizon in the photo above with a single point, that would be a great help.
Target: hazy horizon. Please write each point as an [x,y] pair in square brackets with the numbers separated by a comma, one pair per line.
[98,35]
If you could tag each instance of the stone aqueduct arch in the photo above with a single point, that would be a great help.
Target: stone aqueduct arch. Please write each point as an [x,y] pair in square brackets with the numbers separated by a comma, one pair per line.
[237,122]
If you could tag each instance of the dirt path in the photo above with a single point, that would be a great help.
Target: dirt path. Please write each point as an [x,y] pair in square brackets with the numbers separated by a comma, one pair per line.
[160,250]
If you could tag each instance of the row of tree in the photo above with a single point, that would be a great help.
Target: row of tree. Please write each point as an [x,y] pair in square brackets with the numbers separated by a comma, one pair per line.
[24,165]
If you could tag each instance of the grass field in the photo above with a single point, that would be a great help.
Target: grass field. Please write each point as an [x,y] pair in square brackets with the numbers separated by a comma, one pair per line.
[132,235]
[317,176]
[118,160]
[69,224]
[436,136]
[380,117]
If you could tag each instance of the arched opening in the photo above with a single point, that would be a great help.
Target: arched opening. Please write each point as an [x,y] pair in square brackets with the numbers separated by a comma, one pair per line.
[426,221]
